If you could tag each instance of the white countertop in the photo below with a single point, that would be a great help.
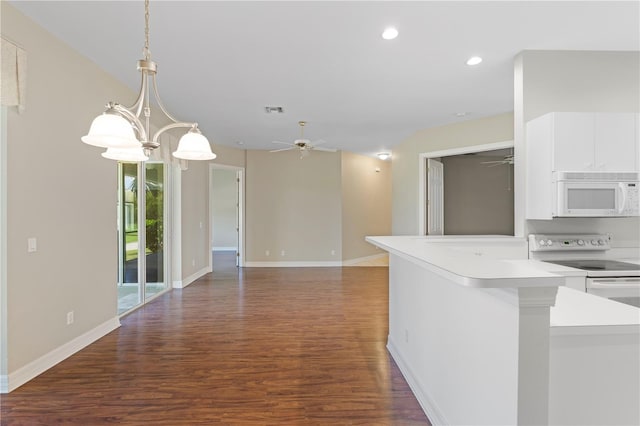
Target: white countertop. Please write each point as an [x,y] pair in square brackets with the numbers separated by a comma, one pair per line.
[468,267]
[574,312]
[585,312]
[565,271]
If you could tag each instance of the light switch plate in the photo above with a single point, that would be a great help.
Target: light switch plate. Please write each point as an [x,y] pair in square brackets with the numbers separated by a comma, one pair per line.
[32,245]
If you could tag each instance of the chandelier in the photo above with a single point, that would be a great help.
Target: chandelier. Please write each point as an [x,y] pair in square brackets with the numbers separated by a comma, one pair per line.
[125,131]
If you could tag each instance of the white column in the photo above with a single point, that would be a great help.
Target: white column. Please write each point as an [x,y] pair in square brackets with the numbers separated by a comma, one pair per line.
[533,354]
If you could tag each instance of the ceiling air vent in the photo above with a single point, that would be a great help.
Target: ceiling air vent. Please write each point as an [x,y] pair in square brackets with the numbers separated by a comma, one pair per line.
[276,109]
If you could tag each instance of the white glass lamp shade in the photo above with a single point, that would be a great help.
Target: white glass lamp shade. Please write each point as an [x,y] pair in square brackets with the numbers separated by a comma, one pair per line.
[126,155]
[111,131]
[194,146]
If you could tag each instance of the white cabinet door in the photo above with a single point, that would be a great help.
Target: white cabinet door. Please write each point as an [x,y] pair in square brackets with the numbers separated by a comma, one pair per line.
[616,143]
[573,141]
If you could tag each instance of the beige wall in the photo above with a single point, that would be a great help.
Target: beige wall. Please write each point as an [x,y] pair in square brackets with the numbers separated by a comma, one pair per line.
[293,205]
[224,193]
[227,155]
[61,192]
[481,131]
[478,200]
[366,203]
[548,81]
[195,232]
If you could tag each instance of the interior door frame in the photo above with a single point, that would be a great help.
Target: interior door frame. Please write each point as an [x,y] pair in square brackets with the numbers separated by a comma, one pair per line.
[240,171]
[422,173]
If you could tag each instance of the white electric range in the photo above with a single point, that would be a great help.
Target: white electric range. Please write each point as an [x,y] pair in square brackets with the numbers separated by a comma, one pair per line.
[604,276]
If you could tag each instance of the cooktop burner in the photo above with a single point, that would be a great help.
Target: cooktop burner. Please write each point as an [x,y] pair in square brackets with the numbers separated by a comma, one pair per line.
[598,265]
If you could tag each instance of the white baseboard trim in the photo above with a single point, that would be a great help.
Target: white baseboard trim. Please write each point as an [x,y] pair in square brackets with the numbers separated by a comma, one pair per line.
[191,278]
[35,368]
[224,249]
[428,405]
[313,264]
[351,262]
[295,264]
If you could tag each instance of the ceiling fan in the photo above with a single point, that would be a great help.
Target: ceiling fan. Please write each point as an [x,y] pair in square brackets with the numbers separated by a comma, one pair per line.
[304,145]
[508,159]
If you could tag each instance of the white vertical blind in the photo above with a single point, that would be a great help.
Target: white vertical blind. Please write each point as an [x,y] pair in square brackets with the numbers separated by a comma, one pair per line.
[13,87]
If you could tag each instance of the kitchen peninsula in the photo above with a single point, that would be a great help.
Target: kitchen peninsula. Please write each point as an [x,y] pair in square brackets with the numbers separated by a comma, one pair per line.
[471,326]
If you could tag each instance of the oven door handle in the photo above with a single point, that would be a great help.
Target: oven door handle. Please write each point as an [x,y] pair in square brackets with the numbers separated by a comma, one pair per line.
[614,284]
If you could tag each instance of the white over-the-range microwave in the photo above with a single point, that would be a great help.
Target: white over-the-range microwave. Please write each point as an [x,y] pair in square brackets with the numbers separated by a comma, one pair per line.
[596,194]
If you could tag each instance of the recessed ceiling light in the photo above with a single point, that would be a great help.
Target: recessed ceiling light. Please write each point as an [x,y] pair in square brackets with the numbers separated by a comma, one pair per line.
[390,33]
[384,155]
[461,114]
[474,60]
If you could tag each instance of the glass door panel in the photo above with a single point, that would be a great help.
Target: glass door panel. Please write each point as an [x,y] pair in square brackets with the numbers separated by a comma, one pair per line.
[154,201]
[129,289]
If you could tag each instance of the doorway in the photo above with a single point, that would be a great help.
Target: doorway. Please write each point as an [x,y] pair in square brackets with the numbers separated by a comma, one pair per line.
[474,191]
[227,212]
[142,235]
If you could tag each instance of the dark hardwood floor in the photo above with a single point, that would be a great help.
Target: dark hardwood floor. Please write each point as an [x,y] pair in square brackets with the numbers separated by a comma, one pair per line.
[254,346]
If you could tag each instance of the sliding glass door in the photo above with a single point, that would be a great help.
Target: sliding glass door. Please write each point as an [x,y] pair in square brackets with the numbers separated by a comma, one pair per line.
[154,228]
[141,213]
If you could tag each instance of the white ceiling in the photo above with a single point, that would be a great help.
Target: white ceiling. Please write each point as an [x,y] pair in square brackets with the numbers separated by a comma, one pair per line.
[221,62]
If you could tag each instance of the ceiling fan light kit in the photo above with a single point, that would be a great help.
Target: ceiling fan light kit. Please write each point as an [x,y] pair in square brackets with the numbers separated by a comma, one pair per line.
[125,131]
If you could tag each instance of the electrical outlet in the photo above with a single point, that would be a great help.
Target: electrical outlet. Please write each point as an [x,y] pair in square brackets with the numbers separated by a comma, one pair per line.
[282,253]
[32,245]
[333,252]
[267,252]
[406,335]
[193,262]
[69,317]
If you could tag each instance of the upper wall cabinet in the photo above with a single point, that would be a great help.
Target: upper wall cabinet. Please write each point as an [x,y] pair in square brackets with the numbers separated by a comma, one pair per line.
[576,142]
[584,141]
[617,146]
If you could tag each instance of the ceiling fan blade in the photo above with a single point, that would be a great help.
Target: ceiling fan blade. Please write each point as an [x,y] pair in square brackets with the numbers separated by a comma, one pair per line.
[283,143]
[282,149]
[318,142]
[325,149]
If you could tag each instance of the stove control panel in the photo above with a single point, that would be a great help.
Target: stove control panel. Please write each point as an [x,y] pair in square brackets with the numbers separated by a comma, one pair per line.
[569,242]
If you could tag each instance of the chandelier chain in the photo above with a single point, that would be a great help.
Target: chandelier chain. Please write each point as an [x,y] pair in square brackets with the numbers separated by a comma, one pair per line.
[146,30]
